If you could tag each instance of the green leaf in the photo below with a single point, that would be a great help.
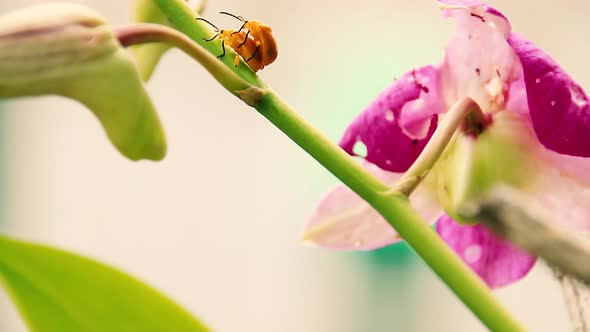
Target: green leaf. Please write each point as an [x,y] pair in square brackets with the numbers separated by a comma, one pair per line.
[59,291]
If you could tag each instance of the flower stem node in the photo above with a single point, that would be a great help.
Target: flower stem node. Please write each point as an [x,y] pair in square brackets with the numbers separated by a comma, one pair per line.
[69,50]
[251,96]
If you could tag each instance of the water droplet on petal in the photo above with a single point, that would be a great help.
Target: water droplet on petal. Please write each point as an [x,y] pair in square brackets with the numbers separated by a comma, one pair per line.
[472,253]
[360,149]
[578,96]
[389,116]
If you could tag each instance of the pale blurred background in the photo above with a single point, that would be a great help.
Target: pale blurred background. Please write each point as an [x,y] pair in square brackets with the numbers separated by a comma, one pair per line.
[215,225]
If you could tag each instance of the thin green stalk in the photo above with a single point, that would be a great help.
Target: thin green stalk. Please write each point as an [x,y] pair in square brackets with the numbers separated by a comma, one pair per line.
[394,206]
[453,118]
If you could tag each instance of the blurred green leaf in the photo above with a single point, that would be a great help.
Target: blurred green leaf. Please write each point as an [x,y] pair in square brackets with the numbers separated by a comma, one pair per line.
[59,291]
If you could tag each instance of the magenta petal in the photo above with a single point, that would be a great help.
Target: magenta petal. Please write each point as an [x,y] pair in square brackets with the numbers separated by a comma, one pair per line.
[559,108]
[496,261]
[396,126]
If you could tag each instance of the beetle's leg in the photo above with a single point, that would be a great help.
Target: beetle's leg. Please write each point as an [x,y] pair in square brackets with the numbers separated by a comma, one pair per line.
[237,60]
[253,54]
[245,39]
[223,49]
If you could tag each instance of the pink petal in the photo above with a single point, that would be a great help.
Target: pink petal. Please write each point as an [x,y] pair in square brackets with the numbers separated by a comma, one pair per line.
[342,220]
[559,108]
[479,62]
[564,196]
[479,8]
[396,126]
[517,99]
[496,261]
[577,168]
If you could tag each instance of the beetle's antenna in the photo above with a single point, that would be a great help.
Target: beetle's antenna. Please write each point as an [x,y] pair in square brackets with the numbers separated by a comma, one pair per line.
[240,18]
[204,20]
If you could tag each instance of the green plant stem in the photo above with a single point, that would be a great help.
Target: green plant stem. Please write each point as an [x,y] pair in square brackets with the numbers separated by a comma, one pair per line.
[393,206]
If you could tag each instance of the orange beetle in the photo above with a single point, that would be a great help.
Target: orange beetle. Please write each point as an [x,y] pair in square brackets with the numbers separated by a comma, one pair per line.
[254,42]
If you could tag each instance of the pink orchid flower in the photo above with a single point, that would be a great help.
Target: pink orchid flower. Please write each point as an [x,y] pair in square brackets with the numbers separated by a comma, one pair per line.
[537,140]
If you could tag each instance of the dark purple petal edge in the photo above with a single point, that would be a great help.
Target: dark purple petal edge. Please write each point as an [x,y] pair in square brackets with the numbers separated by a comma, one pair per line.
[378,127]
[559,108]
